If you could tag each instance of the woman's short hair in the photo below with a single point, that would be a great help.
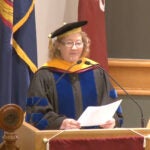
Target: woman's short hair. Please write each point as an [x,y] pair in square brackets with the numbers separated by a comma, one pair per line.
[54,51]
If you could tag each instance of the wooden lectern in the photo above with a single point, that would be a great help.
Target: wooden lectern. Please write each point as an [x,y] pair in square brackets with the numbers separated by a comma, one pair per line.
[31,138]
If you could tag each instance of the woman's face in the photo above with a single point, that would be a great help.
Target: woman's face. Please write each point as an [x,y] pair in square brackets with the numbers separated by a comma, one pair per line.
[71,47]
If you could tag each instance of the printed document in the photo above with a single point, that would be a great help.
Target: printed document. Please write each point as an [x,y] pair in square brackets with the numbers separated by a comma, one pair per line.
[96,115]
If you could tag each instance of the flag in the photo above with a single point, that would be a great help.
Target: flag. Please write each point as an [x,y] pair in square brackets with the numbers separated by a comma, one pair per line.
[24,49]
[6,23]
[93,12]
[18,51]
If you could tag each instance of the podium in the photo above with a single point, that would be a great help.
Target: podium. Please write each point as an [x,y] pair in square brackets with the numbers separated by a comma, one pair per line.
[30,138]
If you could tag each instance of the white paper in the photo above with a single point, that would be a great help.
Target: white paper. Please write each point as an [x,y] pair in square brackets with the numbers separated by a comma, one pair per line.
[97,115]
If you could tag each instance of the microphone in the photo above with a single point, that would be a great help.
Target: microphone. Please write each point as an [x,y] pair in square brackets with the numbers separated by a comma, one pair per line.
[130,97]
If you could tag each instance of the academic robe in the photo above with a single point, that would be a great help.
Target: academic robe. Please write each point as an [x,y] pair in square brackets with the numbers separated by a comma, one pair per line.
[62,90]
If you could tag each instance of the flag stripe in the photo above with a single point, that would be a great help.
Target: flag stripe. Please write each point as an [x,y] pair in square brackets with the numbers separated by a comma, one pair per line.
[25,18]
[6,13]
[16,46]
[24,56]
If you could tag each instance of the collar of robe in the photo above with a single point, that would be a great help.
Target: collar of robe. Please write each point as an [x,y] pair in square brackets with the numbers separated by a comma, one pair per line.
[64,66]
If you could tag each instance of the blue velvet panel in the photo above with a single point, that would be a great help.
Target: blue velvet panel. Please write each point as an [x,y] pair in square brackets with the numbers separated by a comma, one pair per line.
[88,89]
[66,103]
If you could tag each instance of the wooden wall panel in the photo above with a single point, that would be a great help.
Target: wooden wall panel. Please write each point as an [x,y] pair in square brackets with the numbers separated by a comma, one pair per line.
[132,74]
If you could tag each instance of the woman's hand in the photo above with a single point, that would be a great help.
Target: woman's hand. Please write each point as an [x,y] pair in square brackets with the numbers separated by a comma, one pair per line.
[109,124]
[70,124]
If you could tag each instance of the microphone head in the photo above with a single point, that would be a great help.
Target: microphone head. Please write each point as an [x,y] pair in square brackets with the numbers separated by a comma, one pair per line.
[79,62]
[87,63]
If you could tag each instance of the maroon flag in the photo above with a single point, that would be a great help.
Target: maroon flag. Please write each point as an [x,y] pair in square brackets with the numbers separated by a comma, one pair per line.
[93,12]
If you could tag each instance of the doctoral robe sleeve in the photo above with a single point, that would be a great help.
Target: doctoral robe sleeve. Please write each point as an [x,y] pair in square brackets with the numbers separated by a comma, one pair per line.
[41,107]
[112,94]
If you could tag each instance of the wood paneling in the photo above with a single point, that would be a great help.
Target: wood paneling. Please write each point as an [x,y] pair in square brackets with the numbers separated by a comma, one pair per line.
[132,74]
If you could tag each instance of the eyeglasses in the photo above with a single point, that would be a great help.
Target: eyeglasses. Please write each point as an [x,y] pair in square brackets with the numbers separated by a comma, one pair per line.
[70,44]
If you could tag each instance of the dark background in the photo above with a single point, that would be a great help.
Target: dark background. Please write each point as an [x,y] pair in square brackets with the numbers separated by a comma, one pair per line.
[128,28]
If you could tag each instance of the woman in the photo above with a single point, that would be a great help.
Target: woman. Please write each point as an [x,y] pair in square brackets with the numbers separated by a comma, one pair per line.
[69,82]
